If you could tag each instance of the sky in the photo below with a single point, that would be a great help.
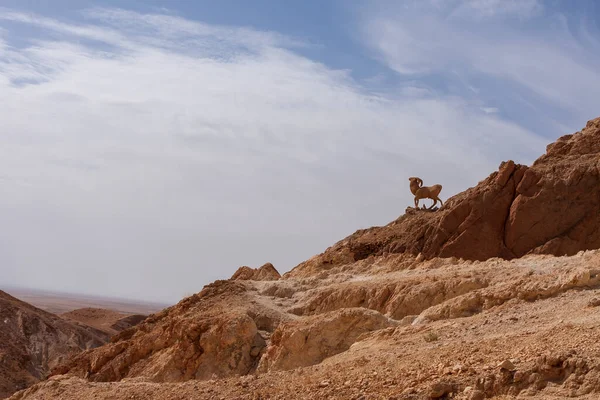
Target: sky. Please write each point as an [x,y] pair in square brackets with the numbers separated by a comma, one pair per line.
[148,148]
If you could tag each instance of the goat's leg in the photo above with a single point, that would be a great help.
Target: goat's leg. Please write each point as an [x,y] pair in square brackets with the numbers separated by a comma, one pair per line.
[440,201]
[416,202]
[433,205]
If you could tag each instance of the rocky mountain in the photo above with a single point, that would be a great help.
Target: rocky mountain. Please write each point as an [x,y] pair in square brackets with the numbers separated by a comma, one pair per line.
[33,341]
[495,295]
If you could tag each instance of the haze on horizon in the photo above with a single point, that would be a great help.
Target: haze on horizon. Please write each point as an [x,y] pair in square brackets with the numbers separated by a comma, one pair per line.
[149,148]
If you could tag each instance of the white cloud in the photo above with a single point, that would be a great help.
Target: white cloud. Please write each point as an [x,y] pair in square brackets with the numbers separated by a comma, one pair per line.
[167,153]
[495,8]
[541,59]
[489,110]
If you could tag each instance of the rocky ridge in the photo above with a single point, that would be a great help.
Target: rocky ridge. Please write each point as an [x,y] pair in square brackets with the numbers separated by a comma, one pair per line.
[551,207]
[34,341]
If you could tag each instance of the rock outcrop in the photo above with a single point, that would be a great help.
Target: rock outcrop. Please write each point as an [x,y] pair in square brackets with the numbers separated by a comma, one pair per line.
[33,341]
[211,333]
[311,340]
[265,273]
[551,207]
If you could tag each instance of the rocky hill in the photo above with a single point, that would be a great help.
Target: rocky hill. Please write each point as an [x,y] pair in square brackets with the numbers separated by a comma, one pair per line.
[33,341]
[495,295]
[550,207]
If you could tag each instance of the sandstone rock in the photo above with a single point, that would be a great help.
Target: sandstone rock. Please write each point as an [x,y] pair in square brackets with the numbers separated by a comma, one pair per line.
[311,340]
[440,389]
[507,365]
[202,336]
[265,273]
[477,395]
[395,299]
[550,207]
[537,287]
[595,302]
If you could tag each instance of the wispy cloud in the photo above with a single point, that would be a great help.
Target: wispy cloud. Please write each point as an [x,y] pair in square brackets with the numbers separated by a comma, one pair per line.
[536,58]
[522,9]
[170,151]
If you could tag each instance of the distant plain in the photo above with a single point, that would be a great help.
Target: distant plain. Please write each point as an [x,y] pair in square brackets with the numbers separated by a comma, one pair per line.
[59,303]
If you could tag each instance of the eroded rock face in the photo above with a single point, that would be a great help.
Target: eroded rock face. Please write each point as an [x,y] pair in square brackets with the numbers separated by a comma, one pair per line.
[556,209]
[33,341]
[311,340]
[396,299]
[552,207]
[265,273]
[210,333]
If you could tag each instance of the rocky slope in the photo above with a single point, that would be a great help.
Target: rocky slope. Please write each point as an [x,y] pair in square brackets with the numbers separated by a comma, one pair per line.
[33,341]
[551,207]
[108,321]
[492,329]
[468,302]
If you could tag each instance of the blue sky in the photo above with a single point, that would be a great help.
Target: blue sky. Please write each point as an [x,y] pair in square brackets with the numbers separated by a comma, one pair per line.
[170,142]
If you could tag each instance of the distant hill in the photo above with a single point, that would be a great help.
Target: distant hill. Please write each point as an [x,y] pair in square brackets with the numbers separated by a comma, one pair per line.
[33,341]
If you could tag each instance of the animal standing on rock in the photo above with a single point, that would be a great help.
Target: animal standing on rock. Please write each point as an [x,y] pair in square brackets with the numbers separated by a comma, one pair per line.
[424,192]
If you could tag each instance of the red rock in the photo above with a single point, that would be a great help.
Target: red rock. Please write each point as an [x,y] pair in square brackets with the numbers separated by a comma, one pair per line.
[551,207]
[265,273]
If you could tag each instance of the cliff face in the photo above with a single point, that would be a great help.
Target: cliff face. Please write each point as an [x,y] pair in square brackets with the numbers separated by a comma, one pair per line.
[33,341]
[552,207]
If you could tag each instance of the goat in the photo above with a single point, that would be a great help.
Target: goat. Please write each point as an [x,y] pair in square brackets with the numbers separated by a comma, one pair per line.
[424,192]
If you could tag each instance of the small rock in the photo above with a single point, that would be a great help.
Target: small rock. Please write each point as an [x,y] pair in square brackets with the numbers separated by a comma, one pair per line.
[407,320]
[477,395]
[507,365]
[595,302]
[324,384]
[439,389]
[255,351]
